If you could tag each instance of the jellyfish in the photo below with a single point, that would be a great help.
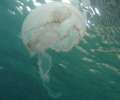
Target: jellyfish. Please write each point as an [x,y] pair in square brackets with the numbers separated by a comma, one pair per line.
[57,26]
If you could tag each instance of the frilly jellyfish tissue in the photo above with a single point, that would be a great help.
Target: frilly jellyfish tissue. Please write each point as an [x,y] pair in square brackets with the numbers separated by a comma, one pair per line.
[57,26]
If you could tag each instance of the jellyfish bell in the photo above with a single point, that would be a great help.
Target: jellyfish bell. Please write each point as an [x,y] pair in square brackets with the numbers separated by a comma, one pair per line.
[52,25]
[57,26]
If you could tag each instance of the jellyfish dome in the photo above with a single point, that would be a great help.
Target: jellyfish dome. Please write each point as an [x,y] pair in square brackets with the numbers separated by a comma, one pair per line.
[57,26]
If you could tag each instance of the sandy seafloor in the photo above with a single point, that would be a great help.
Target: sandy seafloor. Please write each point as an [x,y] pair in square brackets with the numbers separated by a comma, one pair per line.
[89,71]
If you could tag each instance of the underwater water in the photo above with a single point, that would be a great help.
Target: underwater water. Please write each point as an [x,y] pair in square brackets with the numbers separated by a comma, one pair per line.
[89,71]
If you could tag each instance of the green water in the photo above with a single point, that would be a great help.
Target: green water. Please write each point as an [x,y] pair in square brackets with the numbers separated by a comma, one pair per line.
[90,71]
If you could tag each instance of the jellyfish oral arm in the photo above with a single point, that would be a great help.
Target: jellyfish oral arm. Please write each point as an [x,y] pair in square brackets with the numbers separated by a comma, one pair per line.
[45,64]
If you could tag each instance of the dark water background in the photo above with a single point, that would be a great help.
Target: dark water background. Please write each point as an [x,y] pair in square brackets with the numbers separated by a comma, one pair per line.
[90,71]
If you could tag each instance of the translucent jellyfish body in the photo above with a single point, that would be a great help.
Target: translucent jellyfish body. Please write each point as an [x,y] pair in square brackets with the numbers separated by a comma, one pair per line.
[57,26]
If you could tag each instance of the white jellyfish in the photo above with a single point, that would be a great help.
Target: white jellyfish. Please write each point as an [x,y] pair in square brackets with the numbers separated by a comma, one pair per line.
[57,26]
